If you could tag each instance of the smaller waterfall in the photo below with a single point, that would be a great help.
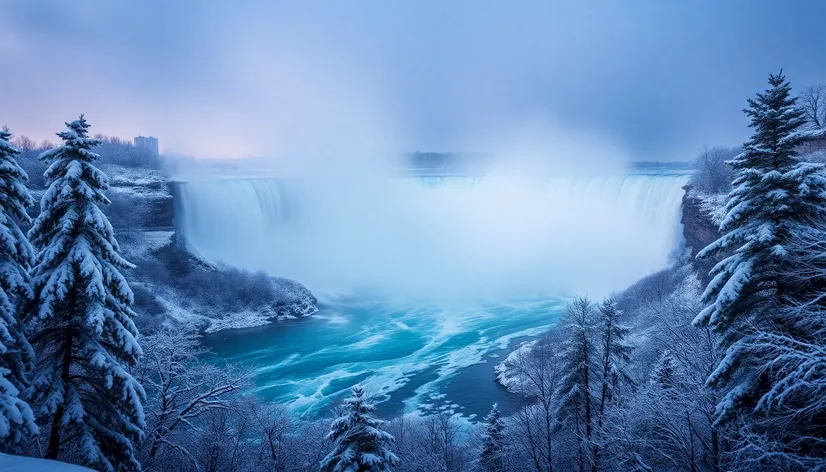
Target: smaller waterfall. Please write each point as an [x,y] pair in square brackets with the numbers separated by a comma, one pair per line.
[224,213]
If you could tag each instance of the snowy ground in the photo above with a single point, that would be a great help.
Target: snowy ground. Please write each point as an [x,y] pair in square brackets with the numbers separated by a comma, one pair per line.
[9,463]
[252,319]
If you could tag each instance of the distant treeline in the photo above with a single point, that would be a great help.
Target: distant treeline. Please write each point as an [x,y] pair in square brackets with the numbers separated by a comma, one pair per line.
[113,151]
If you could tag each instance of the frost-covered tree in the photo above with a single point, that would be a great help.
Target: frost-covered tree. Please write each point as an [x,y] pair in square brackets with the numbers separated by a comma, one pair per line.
[614,359]
[441,444]
[663,373]
[82,324]
[711,174]
[615,351]
[16,257]
[181,389]
[535,429]
[492,458]
[813,102]
[359,445]
[577,385]
[650,427]
[752,295]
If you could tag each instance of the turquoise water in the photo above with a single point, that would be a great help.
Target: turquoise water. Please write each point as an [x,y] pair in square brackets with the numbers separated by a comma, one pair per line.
[427,238]
[408,355]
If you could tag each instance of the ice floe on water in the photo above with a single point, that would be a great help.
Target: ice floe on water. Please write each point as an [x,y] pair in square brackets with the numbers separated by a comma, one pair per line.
[368,342]
[403,353]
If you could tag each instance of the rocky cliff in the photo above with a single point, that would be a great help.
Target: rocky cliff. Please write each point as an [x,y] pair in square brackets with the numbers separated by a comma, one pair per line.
[174,285]
[141,199]
[701,216]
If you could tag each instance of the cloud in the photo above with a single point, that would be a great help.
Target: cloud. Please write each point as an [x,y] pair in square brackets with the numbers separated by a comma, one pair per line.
[219,79]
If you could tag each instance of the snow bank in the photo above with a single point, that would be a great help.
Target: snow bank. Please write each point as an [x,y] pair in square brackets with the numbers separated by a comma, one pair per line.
[292,301]
[251,319]
[139,178]
[505,371]
[140,244]
[9,463]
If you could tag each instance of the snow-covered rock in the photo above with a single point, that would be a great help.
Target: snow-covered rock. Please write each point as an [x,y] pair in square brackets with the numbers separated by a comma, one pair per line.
[142,213]
[175,285]
[9,463]
[141,199]
[701,216]
[293,301]
[505,371]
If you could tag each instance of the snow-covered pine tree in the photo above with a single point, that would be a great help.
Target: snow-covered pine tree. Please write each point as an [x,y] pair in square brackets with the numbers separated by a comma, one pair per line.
[492,458]
[752,294]
[615,356]
[616,352]
[663,374]
[579,366]
[82,326]
[16,258]
[359,445]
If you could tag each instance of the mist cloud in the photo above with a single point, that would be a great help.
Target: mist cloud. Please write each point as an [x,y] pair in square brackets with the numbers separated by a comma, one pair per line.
[221,79]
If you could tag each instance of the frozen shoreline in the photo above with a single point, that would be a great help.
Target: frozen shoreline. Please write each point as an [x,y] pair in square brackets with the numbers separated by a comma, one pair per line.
[505,371]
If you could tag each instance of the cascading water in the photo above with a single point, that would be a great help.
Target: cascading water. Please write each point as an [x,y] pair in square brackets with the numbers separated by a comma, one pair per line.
[442,275]
[440,235]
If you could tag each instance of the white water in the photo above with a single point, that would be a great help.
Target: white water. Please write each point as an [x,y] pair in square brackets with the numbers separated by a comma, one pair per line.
[438,237]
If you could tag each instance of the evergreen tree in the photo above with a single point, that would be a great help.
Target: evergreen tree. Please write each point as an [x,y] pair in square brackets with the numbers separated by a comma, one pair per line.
[616,353]
[579,365]
[492,458]
[16,257]
[358,443]
[663,375]
[752,296]
[615,357]
[82,325]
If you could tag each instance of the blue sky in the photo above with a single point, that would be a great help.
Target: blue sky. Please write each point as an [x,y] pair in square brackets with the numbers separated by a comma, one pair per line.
[657,79]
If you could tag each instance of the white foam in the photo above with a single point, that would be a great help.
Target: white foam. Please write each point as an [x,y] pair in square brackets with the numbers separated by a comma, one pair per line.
[449,238]
[368,342]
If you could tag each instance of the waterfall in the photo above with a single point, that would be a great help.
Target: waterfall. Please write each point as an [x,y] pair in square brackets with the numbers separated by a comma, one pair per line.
[444,236]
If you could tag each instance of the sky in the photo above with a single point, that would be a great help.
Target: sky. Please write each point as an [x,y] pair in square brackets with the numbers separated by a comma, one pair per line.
[657,80]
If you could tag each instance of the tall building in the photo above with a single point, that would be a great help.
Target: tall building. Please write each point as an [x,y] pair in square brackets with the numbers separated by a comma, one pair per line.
[147,142]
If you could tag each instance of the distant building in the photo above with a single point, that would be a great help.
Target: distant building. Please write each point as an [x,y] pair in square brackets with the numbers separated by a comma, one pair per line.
[147,142]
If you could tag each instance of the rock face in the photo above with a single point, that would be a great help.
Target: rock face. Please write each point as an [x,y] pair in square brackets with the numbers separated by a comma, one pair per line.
[171,281]
[141,199]
[701,215]
[293,300]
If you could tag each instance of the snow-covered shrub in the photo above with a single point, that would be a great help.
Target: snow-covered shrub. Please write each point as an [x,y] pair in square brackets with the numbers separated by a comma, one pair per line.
[228,289]
[117,151]
[712,175]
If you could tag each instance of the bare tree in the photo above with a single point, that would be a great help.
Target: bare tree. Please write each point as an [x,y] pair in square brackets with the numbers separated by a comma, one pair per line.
[538,373]
[669,422]
[225,442]
[181,388]
[275,425]
[712,175]
[24,143]
[441,444]
[813,102]
[435,443]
